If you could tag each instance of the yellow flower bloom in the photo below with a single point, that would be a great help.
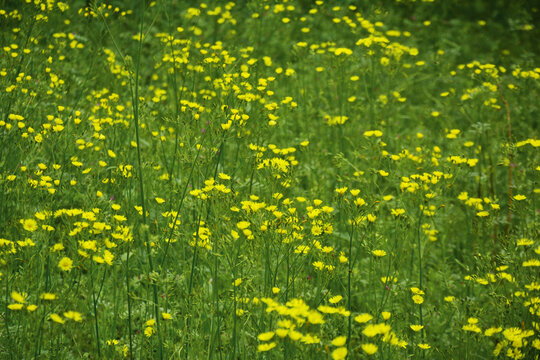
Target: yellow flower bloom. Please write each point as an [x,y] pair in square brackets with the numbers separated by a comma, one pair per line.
[379,253]
[492,330]
[19,297]
[339,353]
[295,335]
[266,347]
[65,264]
[370,349]
[372,330]
[15,306]
[73,315]
[472,328]
[266,336]
[148,331]
[339,341]
[363,318]
[532,262]
[243,225]
[56,318]
[524,242]
[48,296]
[29,225]
[397,212]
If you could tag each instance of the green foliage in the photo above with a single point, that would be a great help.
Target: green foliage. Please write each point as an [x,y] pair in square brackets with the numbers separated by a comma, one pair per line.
[269,179]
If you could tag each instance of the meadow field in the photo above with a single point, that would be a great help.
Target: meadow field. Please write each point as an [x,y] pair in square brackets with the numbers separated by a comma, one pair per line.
[261,179]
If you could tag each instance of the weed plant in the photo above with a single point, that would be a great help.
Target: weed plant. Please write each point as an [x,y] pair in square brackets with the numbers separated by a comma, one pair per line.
[269,179]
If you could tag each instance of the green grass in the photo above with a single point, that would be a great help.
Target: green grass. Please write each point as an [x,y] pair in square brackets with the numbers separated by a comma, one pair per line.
[271,180]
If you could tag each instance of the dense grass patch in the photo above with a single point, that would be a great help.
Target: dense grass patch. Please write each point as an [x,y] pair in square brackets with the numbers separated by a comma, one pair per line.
[281,180]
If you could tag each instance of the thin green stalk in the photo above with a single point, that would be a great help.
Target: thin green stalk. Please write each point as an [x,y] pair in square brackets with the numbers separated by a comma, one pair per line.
[195,251]
[351,235]
[288,272]
[387,280]
[419,245]
[190,284]
[177,96]
[166,251]
[141,182]
[6,318]
[193,262]
[210,349]
[267,268]
[234,323]
[94,303]
[129,301]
